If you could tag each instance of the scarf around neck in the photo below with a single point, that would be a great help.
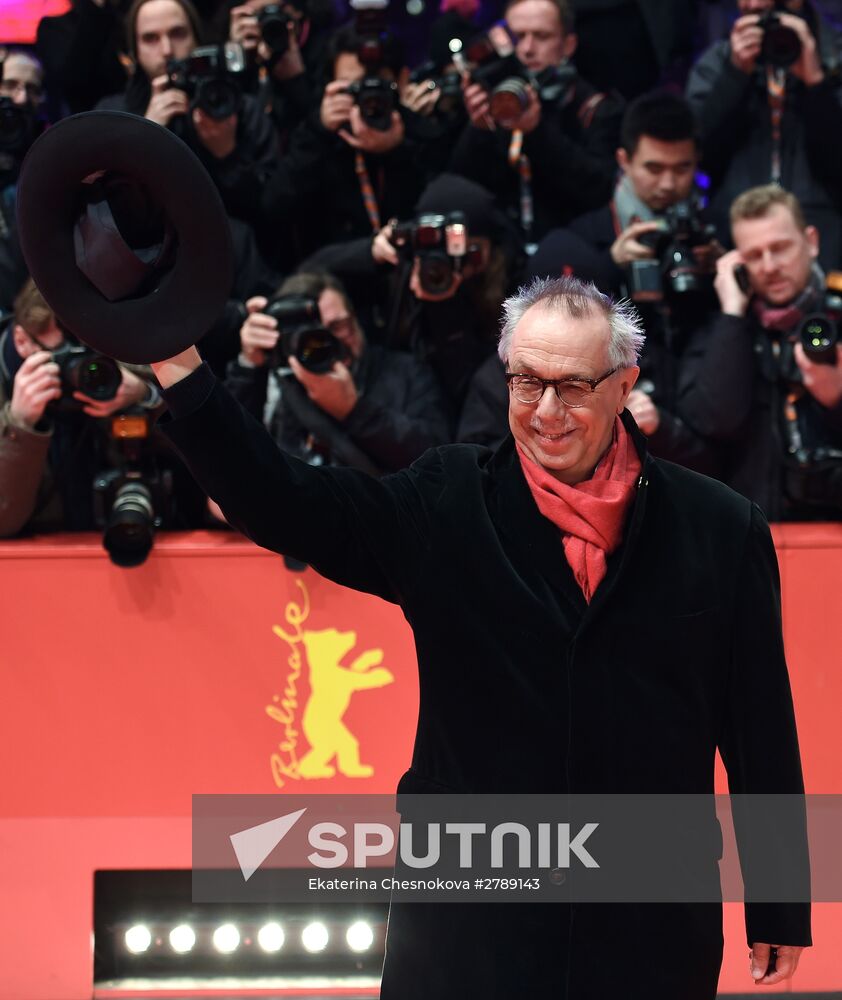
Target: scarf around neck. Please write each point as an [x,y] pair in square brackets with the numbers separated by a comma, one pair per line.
[784,319]
[628,206]
[590,515]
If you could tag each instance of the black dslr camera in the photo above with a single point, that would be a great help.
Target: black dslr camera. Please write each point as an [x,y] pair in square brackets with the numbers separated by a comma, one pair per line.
[494,66]
[440,244]
[133,498]
[211,77]
[449,86]
[273,20]
[376,99]
[674,270]
[83,370]
[781,46]
[302,335]
[819,333]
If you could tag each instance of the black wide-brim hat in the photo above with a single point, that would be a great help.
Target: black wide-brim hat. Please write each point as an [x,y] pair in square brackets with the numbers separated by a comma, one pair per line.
[181,293]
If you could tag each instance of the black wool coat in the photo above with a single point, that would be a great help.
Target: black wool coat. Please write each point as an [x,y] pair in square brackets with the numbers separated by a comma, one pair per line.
[525,688]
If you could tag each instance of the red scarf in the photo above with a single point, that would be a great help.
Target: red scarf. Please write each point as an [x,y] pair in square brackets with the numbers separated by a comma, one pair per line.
[590,515]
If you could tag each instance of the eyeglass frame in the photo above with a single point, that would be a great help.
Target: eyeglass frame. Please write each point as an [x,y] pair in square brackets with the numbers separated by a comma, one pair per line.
[556,382]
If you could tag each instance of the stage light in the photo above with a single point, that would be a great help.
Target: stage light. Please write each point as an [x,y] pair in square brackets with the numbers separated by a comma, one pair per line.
[138,939]
[359,936]
[314,937]
[226,938]
[270,937]
[182,938]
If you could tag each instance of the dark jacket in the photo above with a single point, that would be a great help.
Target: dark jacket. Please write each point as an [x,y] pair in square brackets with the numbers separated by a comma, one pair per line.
[732,389]
[525,688]
[571,152]
[239,177]
[736,138]
[316,183]
[399,415]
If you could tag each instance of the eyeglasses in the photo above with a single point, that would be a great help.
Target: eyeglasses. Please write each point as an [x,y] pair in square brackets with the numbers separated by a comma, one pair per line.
[573,391]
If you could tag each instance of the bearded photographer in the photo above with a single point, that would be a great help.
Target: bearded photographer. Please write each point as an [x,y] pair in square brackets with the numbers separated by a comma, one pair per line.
[760,378]
[349,166]
[365,407]
[49,449]
[768,104]
[236,144]
[554,159]
[651,243]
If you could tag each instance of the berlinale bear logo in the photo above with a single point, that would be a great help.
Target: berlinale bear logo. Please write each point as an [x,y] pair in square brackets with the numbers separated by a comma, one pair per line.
[331,688]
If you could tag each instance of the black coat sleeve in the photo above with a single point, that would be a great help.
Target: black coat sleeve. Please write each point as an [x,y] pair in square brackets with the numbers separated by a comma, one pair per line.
[759,741]
[822,117]
[361,532]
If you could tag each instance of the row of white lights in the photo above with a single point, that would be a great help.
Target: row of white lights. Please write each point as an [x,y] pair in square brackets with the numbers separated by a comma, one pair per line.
[270,937]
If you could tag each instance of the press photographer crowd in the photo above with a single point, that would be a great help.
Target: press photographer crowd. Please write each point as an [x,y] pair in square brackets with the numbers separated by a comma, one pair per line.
[391,173]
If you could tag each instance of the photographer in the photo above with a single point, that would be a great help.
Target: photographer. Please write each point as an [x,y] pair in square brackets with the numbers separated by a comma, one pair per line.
[239,148]
[768,104]
[755,380]
[443,307]
[651,243]
[372,409]
[50,450]
[349,166]
[555,159]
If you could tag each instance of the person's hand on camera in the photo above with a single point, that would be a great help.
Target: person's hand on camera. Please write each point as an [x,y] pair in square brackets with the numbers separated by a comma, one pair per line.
[746,43]
[166,102]
[707,255]
[243,27]
[334,391]
[733,301]
[336,105]
[37,382]
[477,105]
[421,97]
[823,382]
[808,67]
[627,247]
[218,136]
[131,391]
[372,140]
[259,334]
[644,411]
[530,117]
[291,63]
[382,249]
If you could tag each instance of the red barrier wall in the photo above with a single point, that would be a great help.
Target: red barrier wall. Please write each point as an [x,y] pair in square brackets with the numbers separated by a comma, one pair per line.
[126,691]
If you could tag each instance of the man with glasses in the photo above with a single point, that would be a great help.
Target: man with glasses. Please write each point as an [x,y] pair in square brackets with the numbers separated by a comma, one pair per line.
[376,410]
[586,618]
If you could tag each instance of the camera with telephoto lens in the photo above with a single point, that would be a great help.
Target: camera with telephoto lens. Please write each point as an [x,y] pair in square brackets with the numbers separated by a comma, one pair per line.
[376,99]
[819,332]
[83,370]
[496,68]
[18,127]
[302,335]
[211,77]
[439,243]
[781,46]
[674,271]
[133,498]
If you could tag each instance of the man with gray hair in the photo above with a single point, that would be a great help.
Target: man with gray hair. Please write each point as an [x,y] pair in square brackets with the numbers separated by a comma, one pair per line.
[587,619]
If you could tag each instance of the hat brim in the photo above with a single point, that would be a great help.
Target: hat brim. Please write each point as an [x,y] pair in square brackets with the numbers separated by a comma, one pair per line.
[189,297]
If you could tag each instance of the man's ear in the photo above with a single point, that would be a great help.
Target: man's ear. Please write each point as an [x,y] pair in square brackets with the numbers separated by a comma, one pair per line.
[812,235]
[569,45]
[24,344]
[628,379]
[622,160]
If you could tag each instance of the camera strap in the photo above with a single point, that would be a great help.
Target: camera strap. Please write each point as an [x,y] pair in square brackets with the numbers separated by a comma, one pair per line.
[520,161]
[776,91]
[367,189]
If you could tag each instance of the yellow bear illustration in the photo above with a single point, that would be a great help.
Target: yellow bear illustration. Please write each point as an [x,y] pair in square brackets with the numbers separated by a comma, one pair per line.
[331,687]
